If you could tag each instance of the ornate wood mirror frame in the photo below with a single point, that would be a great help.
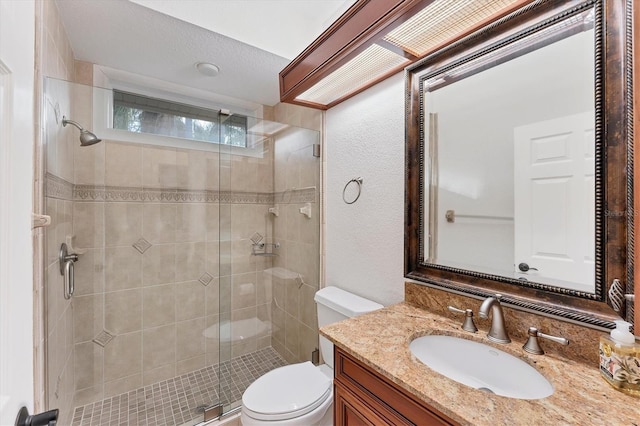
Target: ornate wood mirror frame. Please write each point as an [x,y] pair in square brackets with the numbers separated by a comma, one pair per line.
[613,168]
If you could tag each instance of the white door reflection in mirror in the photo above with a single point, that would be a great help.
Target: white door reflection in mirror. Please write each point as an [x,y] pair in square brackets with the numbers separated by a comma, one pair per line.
[554,191]
[473,173]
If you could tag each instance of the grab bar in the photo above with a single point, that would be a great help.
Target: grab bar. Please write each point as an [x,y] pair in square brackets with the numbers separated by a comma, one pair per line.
[67,262]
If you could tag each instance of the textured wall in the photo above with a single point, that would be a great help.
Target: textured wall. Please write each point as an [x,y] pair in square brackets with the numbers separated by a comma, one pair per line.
[364,240]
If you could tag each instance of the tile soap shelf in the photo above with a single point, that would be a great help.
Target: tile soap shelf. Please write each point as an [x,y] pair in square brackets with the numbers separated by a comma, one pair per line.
[261,249]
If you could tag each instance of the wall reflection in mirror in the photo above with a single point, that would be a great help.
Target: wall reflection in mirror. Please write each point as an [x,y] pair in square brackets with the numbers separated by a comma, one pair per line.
[509,147]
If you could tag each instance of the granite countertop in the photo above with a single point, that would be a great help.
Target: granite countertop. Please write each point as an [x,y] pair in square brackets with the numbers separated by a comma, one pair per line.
[381,339]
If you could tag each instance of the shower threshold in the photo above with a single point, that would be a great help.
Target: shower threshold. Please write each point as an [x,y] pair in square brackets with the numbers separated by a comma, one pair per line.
[181,399]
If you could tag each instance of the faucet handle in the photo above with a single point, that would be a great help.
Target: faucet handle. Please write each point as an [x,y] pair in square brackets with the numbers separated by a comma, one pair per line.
[533,346]
[468,324]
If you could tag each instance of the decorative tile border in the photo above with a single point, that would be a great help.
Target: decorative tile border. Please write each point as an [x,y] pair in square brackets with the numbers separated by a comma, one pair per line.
[60,188]
[295,196]
[56,187]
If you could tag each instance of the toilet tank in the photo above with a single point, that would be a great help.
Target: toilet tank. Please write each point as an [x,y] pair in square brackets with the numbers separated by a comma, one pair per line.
[333,305]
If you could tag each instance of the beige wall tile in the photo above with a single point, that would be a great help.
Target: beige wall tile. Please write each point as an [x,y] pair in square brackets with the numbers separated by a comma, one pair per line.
[225,266]
[159,305]
[190,261]
[212,337]
[123,165]
[244,174]
[292,298]
[54,295]
[159,374]
[308,311]
[263,313]
[212,260]
[292,335]
[213,222]
[159,223]
[88,317]
[224,300]
[89,163]
[125,384]
[190,300]
[123,268]
[241,259]
[212,297]
[88,395]
[191,222]
[159,264]
[123,223]
[190,364]
[264,289]
[243,291]
[52,243]
[224,212]
[278,325]
[89,273]
[244,347]
[83,72]
[123,311]
[122,358]
[158,347]
[308,342]
[197,169]
[88,367]
[190,339]
[65,153]
[263,342]
[88,224]
[158,167]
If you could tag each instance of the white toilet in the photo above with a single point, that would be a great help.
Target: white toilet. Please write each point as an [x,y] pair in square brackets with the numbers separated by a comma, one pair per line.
[302,394]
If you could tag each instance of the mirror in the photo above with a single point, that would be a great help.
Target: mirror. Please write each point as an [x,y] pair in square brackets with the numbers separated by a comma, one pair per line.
[513,176]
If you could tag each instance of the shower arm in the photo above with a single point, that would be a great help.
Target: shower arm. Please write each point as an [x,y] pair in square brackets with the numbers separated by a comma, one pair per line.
[66,121]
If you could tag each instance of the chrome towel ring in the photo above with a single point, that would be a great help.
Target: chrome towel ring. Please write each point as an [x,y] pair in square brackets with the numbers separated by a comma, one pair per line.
[357,181]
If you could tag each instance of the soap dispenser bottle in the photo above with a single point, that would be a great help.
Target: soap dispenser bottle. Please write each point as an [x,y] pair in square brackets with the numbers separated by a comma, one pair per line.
[620,359]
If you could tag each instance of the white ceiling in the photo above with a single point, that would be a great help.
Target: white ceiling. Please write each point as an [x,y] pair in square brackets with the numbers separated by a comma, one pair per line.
[250,40]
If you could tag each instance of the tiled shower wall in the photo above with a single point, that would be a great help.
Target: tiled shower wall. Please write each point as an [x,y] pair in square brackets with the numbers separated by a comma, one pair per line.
[54,315]
[147,283]
[296,274]
[160,261]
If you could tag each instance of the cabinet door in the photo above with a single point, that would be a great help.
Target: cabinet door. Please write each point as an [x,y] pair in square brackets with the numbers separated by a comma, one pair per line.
[377,399]
[349,410]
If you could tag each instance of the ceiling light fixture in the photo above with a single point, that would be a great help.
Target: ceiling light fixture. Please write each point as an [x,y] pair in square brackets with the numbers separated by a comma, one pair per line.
[207,69]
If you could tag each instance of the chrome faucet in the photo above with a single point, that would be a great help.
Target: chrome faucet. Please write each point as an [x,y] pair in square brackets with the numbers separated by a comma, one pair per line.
[498,331]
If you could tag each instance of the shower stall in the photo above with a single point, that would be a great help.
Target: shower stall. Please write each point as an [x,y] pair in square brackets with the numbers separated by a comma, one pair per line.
[197,236]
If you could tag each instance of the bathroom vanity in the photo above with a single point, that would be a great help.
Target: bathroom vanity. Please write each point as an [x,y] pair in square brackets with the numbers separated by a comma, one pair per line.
[362,396]
[379,381]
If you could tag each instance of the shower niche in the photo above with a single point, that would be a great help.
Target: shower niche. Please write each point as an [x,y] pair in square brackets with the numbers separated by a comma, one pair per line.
[174,300]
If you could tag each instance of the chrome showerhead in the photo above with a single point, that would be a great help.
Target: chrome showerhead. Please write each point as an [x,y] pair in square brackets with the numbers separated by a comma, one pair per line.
[86,137]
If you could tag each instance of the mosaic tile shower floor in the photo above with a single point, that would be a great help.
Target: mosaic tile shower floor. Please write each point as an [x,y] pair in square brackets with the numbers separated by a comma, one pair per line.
[176,401]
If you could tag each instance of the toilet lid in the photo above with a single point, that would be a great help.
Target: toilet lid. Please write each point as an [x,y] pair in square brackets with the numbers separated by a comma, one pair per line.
[287,392]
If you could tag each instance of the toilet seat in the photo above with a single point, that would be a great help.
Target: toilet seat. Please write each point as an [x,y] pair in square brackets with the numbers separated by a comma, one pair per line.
[287,392]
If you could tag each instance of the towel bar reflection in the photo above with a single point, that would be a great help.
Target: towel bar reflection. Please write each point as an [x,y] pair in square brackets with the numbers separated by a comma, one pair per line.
[451,215]
[67,262]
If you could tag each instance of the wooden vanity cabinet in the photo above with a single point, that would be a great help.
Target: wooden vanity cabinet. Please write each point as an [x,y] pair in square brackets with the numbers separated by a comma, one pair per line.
[364,397]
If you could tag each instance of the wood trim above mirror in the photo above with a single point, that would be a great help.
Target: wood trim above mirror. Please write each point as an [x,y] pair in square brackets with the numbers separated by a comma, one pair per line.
[614,165]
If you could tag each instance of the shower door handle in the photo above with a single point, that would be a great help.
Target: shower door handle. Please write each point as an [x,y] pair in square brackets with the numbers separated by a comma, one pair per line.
[67,262]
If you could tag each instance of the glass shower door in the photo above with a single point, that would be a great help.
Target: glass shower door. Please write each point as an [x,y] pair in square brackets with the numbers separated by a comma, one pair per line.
[269,252]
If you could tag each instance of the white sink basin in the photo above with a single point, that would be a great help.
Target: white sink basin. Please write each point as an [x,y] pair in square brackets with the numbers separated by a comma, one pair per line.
[481,366]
